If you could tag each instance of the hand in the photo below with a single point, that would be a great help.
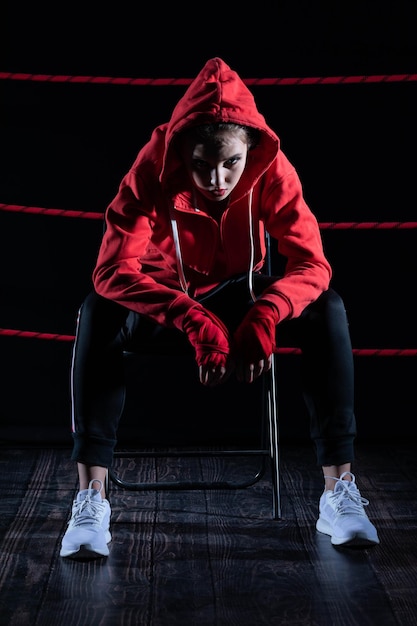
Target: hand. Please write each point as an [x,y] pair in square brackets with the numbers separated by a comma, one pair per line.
[248,372]
[211,341]
[255,341]
[212,374]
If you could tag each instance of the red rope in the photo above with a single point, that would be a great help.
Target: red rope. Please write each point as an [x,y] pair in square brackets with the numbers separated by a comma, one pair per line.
[15,208]
[366,225]
[164,82]
[27,334]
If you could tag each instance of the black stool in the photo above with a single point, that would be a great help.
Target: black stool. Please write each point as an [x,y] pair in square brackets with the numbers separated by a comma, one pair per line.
[265,396]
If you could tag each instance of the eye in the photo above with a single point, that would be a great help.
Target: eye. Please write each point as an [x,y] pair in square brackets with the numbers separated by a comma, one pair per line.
[231,162]
[199,164]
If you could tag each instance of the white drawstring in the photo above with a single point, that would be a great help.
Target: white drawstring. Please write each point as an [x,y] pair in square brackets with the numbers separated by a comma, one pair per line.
[180,266]
[252,249]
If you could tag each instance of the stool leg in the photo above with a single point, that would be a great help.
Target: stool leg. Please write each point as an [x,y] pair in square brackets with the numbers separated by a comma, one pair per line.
[107,485]
[272,409]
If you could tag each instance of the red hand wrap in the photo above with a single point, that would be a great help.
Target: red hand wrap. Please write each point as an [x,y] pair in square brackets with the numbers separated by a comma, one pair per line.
[255,337]
[208,335]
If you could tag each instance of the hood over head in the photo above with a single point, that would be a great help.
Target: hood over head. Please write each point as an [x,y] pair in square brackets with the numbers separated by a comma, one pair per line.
[218,94]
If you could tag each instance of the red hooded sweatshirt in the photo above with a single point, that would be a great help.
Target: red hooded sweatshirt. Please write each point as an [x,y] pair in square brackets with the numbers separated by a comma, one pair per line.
[160,251]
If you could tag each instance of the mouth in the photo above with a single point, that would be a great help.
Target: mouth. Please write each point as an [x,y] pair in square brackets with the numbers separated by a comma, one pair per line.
[218,193]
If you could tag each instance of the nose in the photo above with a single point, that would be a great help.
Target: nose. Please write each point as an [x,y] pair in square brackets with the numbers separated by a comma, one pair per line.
[216,176]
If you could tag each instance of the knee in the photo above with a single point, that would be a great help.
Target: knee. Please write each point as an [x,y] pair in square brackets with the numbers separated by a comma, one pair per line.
[91,301]
[334,299]
[97,313]
[88,307]
[334,305]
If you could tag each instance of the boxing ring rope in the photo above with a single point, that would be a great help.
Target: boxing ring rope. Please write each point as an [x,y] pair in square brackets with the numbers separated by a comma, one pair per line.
[164,82]
[17,208]
[27,334]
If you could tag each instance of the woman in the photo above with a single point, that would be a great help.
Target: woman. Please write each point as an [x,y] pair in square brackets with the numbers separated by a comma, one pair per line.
[182,253]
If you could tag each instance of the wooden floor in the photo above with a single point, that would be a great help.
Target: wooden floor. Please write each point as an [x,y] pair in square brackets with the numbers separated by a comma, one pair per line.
[209,557]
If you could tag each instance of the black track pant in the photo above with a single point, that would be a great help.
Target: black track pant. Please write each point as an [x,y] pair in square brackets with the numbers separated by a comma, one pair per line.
[105,330]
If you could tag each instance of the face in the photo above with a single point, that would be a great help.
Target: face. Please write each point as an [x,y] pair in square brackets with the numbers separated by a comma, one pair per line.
[215,169]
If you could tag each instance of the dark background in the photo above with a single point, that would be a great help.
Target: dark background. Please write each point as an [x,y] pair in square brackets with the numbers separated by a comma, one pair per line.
[67,146]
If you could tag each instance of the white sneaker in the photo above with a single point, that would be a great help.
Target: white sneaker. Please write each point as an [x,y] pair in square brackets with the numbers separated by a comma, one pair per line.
[88,531]
[342,515]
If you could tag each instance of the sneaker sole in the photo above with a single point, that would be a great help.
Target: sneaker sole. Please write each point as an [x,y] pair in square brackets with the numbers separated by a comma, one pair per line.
[87,551]
[358,540]
[84,552]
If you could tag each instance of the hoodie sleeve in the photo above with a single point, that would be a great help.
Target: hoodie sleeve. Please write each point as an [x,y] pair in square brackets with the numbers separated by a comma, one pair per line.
[118,273]
[292,224]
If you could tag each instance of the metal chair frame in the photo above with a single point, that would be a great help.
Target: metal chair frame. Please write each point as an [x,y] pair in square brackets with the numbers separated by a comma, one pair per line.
[269,451]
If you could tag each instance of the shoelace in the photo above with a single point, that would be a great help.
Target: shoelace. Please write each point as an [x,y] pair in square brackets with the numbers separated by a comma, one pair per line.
[346,496]
[88,510]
